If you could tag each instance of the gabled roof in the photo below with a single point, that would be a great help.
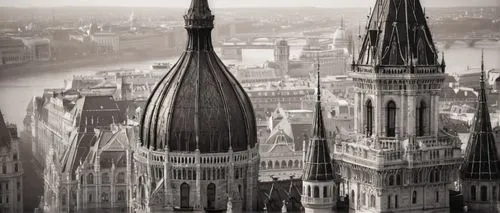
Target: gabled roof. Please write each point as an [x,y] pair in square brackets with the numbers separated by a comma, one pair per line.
[481,156]
[397,34]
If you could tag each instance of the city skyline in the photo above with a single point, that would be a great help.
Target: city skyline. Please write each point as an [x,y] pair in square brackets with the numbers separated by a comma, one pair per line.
[237,3]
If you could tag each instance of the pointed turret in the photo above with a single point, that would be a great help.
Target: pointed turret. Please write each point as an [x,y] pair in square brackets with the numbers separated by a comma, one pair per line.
[318,163]
[481,157]
[396,31]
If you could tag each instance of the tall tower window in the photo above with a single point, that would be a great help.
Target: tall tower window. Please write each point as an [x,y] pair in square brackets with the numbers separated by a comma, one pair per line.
[421,119]
[389,202]
[316,192]
[369,118]
[391,119]
[473,193]
[414,197]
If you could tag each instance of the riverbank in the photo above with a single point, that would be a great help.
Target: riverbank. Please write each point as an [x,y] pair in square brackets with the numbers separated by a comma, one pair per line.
[20,70]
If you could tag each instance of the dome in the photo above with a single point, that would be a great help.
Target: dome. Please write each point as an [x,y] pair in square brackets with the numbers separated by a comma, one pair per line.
[339,35]
[199,104]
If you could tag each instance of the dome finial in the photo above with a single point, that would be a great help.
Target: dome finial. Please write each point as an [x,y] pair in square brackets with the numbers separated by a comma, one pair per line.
[199,15]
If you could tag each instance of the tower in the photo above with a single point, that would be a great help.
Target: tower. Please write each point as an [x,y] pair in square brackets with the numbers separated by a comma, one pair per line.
[480,172]
[319,191]
[282,56]
[398,159]
[198,140]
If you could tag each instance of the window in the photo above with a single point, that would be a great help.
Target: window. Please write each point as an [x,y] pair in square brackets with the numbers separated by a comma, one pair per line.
[414,197]
[15,156]
[473,193]
[309,191]
[395,201]
[104,197]
[4,169]
[90,178]
[316,191]
[389,202]
[105,178]
[372,201]
[363,199]
[484,193]
[16,168]
[369,118]
[120,178]
[63,199]
[398,179]
[325,191]
[421,118]
[391,119]
[437,196]
[90,197]
[391,180]
[121,196]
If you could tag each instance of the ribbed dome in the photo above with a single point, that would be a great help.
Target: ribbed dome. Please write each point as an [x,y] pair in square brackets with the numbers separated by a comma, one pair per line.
[199,104]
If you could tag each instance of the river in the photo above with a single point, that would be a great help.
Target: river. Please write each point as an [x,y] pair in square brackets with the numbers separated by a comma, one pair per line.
[16,92]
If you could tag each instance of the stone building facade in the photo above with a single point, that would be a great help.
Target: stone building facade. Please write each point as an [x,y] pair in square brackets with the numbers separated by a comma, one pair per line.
[397,159]
[11,173]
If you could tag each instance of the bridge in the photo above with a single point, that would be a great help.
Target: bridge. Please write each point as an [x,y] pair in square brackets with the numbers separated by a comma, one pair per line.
[233,48]
[470,41]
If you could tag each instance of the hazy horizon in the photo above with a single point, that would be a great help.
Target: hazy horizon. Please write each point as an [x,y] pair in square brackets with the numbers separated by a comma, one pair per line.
[235,3]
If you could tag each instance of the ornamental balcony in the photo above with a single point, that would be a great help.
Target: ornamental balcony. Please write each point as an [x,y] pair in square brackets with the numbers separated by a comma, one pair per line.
[317,201]
[369,71]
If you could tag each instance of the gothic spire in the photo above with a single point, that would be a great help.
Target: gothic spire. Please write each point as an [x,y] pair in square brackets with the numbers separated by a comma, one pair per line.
[481,156]
[318,163]
[396,31]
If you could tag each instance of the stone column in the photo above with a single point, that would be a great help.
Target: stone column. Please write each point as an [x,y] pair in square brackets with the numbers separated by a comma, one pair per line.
[411,117]
[168,182]
[198,181]
[97,180]
[356,113]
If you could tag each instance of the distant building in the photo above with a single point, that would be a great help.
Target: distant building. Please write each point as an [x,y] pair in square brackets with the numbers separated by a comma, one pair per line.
[11,176]
[38,49]
[12,51]
[106,42]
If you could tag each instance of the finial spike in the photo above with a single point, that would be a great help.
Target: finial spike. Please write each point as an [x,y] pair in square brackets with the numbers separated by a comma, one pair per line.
[482,66]
[318,95]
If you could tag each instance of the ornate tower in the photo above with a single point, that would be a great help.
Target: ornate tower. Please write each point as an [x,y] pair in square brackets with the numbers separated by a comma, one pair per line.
[480,173]
[319,191]
[198,143]
[398,160]
[282,56]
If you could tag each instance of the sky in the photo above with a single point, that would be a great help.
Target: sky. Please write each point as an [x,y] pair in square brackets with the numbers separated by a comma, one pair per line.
[234,3]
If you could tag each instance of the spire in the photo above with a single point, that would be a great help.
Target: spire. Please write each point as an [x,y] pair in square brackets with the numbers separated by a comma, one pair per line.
[318,93]
[481,156]
[397,30]
[318,163]
[342,22]
[443,63]
[199,23]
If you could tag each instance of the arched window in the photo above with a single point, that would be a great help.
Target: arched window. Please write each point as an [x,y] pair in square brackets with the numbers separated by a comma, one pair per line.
[90,178]
[277,165]
[363,199]
[308,191]
[352,198]
[263,165]
[90,197]
[372,201]
[391,180]
[325,191]
[121,196]
[283,164]
[421,121]
[473,193]
[316,191]
[437,196]
[414,197]
[290,164]
[398,179]
[270,165]
[63,199]
[396,201]
[389,202]
[120,178]
[484,193]
[105,178]
[369,118]
[391,119]
[104,197]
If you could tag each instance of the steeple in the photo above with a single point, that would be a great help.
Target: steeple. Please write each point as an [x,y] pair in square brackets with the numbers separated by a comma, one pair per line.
[481,157]
[396,31]
[199,23]
[318,163]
